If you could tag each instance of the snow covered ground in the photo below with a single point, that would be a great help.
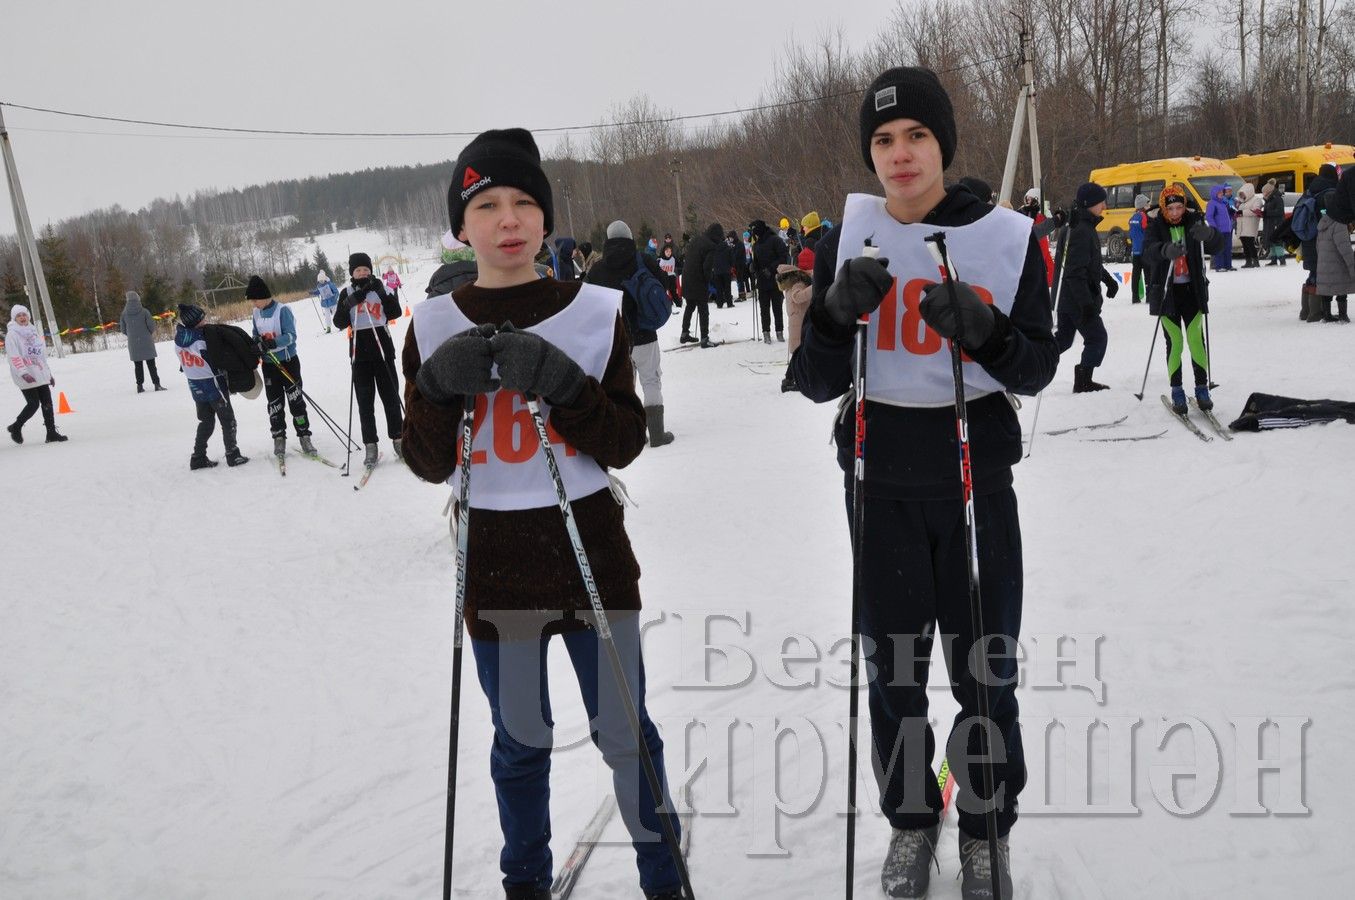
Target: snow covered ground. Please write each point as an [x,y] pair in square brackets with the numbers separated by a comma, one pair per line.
[224,684]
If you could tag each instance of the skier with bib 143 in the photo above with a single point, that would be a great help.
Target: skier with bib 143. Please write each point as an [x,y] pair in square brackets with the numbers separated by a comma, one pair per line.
[914,579]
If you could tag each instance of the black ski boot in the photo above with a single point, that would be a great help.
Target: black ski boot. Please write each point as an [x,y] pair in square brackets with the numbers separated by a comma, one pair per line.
[1082,380]
[788,384]
[1179,400]
[140,389]
[16,433]
[654,418]
[235,458]
[907,869]
[687,339]
[54,436]
[201,462]
[1202,398]
[976,868]
[525,892]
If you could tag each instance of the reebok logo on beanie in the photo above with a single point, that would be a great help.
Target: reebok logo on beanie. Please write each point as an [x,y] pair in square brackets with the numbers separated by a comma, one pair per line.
[886,98]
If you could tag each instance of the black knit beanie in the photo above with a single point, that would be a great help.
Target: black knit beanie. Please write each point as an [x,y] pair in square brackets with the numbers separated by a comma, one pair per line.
[1089,194]
[190,315]
[257,290]
[357,260]
[908,93]
[499,158]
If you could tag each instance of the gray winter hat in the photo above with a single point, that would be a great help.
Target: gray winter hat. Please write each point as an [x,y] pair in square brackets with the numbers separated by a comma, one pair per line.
[619,229]
[1141,201]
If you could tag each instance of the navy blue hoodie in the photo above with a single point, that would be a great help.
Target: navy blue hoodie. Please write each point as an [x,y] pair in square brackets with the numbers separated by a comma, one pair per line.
[911,452]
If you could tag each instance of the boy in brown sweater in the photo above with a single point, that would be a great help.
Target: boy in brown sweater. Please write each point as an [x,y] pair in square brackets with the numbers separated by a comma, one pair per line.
[507,335]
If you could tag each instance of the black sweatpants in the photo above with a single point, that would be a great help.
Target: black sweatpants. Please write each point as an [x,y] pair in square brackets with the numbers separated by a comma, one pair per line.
[916,585]
[141,376]
[1074,320]
[276,387]
[371,377]
[34,398]
[700,306]
[770,303]
[208,413]
[1138,285]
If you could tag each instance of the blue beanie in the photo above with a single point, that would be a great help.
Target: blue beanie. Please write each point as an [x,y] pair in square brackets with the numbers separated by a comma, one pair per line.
[191,316]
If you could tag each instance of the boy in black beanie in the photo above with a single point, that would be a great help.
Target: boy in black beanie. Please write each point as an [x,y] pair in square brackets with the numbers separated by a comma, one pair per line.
[366,307]
[913,545]
[566,345]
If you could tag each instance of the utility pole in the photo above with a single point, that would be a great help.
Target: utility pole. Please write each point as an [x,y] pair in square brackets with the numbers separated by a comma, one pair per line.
[677,182]
[1303,70]
[569,206]
[35,279]
[1025,111]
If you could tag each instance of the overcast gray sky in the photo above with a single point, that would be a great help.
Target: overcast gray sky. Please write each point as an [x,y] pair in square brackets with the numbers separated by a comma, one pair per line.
[401,65]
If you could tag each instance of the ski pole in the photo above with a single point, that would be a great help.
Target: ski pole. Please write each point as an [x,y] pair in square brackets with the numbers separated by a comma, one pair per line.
[937,243]
[858,574]
[1153,343]
[458,627]
[324,416]
[1053,305]
[316,307]
[352,389]
[390,366]
[605,636]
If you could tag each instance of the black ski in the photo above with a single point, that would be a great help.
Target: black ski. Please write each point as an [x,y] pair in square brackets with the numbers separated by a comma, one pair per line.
[1185,420]
[710,344]
[1120,421]
[1113,440]
[1213,421]
[583,849]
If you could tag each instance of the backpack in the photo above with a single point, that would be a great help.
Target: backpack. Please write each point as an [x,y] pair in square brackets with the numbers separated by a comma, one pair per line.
[1304,221]
[652,306]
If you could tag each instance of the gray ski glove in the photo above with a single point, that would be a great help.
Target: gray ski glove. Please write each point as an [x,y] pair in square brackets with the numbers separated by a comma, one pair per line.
[461,366]
[533,365]
[968,314]
[858,289]
[1173,251]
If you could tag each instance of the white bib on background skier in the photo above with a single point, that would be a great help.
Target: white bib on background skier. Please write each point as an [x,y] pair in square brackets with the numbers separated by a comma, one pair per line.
[509,466]
[909,363]
[194,362]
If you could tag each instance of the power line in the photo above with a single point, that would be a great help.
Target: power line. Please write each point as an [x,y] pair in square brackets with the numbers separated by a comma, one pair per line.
[663,120]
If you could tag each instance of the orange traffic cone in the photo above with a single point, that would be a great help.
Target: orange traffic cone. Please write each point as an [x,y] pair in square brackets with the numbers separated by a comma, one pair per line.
[407,311]
[62,407]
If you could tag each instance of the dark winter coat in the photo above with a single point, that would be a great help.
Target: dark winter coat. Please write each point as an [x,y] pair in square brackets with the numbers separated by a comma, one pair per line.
[1272,216]
[739,254]
[1317,187]
[137,324]
[564,258]
[1156,237]
[913,449]
[697,266]
[616,265]
[1083,271]
[451,276]
[371,344]
[769,251]
[721,262]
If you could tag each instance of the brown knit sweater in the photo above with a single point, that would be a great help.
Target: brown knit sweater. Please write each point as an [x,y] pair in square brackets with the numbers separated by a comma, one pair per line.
[520,562]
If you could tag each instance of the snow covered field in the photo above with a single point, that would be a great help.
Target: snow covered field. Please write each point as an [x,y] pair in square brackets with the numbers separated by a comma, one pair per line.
[224,684]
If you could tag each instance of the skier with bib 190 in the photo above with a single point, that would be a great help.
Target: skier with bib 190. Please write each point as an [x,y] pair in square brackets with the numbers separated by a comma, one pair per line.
[567,345]
[275,332]
[913,548]
[1178,290]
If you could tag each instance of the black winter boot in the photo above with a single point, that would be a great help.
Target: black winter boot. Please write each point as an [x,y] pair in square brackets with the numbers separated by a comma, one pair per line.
[54,436]
[200,462]
[235,458]
[687,339]
[1082,380]
[1341,314]
[16,433]
[657,436]
[1305,302]
[525,892]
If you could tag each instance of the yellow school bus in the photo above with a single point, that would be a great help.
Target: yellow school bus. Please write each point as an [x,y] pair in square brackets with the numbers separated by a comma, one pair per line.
[1199,174]
[1291,168]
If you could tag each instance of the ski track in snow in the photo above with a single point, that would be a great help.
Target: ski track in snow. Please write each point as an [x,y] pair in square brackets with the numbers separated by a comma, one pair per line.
[225,684]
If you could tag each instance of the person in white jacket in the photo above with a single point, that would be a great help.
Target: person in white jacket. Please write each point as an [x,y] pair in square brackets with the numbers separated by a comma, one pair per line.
[1250,212]
[28,367]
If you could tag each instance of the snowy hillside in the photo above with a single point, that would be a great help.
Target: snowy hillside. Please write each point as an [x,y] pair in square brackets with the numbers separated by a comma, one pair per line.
[225,684]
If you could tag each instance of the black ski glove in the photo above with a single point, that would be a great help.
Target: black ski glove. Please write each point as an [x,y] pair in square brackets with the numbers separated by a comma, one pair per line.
[1112,287]
[354,297]
[268,343]
[1173,251]
[968,314]
[1202,231]
[857,290]
[460,367]
[531,364]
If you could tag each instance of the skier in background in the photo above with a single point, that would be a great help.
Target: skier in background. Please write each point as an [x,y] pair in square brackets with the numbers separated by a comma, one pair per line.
[275,331]
[328,294]
[367,308]
[27,354]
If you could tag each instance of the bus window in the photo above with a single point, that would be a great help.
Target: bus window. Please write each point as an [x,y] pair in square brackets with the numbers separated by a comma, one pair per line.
[1120,196]
[1152,189]
[1204,184]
